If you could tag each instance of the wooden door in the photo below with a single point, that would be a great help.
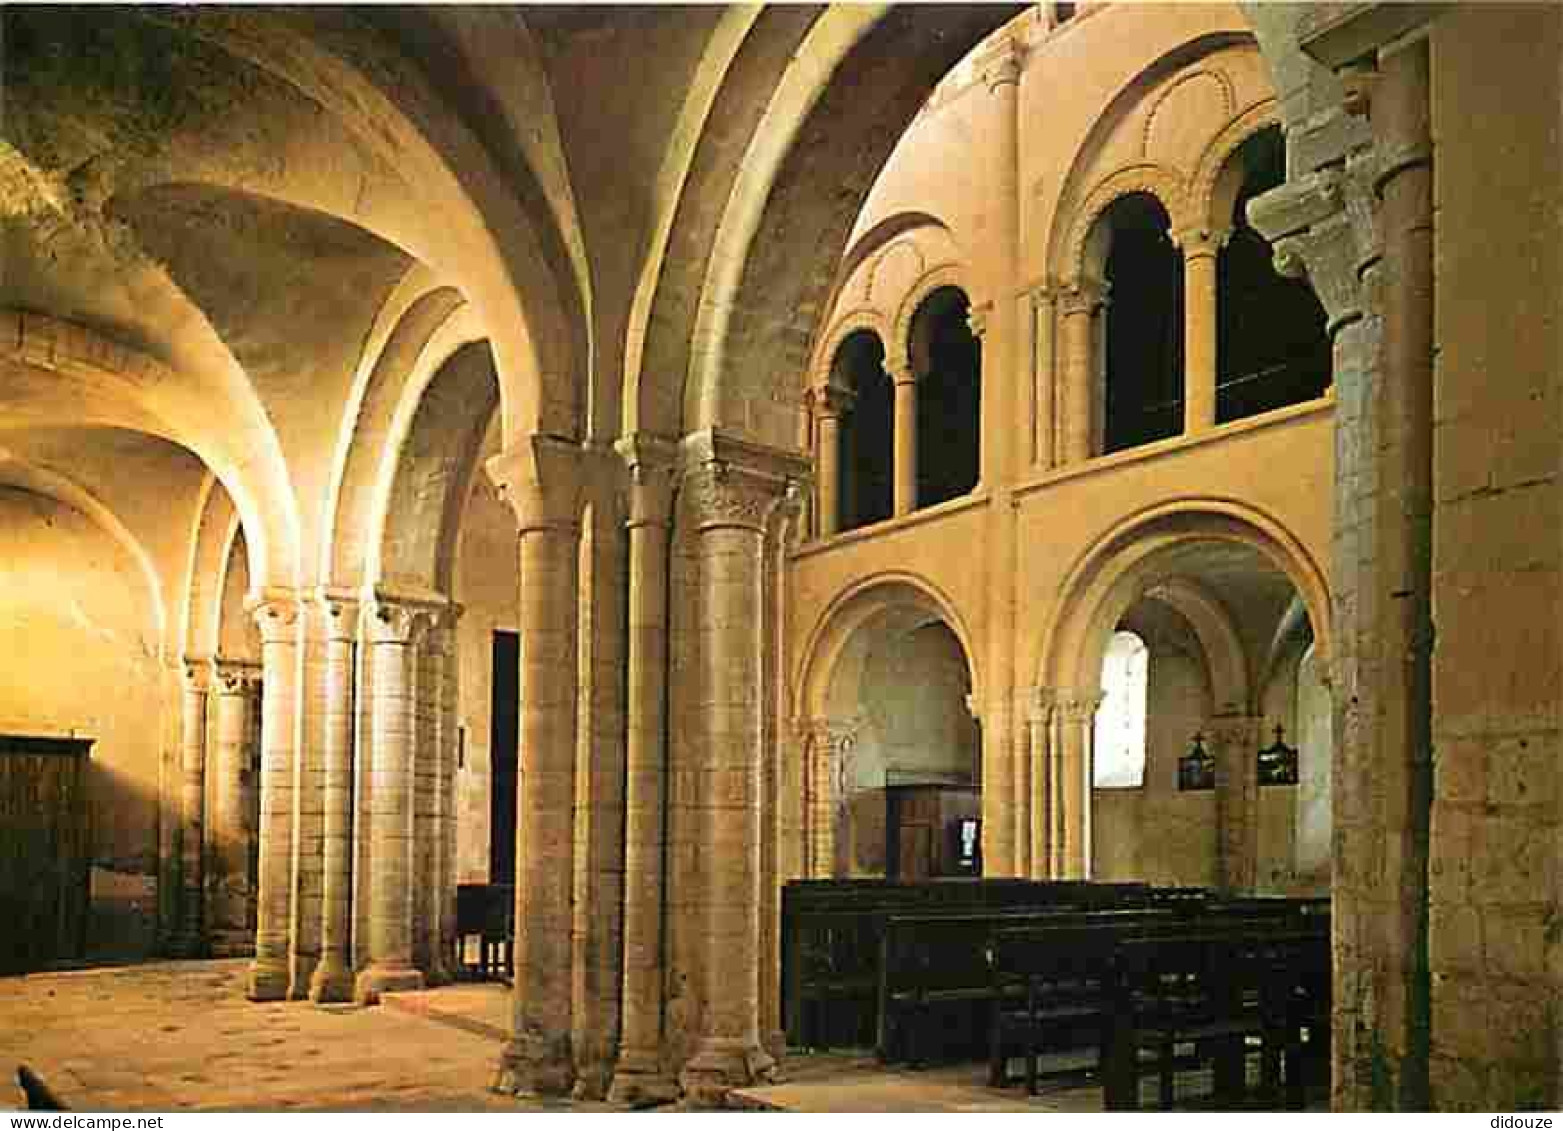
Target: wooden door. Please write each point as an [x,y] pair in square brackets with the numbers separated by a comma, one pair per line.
[45,850]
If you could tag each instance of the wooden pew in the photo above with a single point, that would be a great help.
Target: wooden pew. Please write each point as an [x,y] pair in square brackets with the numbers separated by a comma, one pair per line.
[1180,1002]
[1052,980]
[832,940]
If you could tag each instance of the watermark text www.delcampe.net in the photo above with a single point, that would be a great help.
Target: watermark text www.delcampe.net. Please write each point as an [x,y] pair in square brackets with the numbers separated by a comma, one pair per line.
[87,1122]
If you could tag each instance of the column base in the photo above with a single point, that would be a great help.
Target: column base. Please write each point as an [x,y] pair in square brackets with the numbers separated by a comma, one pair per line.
[332,981]
[535,1065]
[382,979]
[641,1081]
[301,973]
[267,980]
[721,1064]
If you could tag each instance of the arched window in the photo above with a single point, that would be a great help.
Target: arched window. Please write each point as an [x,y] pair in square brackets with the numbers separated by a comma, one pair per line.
[867,435]
[1118,751]
[947,362]
[1271,348]
[1144,365]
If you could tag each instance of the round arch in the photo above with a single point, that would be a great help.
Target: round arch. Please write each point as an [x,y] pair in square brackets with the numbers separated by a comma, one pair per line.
[899,344]
[852,322]
[211,546]
[1157,181]
[851,610]
[1209,209]
[1123,564]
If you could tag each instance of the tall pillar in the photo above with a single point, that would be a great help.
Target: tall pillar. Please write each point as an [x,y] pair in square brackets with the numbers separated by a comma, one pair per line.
[229,883]
[278,618]
[905,384]
[1022,766]
[1044,314]
[393,630]
[189,938]
[332,979]
[1038,713]
[733,489]
[1200,250]
[599,821]
[830,405]
[449,747]
[427,777]
[1079,305]
[1234,743]
[642,1075]
[1076,715]
[541,481]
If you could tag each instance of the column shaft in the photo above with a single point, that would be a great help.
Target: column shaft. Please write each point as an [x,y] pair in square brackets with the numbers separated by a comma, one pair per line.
[268,975]
[229,881]
[905,443]
[1075,787]
[394,634]
[332,979]
[189,939]
[1199,330]
[829,473]
[1079,392]
[641,1075]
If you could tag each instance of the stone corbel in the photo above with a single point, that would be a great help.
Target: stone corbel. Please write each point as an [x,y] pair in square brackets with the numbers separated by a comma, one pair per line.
[1003,63]
[831,400]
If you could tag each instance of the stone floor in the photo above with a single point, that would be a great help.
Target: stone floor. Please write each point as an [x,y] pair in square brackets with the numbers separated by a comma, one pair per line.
[179,1036]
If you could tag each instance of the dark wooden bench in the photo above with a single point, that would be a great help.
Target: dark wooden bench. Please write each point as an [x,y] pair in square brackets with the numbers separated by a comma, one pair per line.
[833,931]
[1052,980]
[1214,998]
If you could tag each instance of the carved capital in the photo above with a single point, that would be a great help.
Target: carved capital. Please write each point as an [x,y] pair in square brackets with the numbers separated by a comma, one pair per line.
[1083,296]
[277,617]
[900,372]
[652,462]
[977,320]
[195,672]
[541,480]
[338,614]
[398,622]
[234,677]
[831,400]
[1002,65]
[1035,704]
[1198,243]
[1077,706]
[731,482]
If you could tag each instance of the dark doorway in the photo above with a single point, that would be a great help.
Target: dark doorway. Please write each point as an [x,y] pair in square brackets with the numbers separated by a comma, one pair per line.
[504,740]
[45,850]
[1144,396]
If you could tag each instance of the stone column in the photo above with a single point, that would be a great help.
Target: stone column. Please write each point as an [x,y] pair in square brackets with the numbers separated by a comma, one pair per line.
[189,938]
[428,780]
[1044,310]
[393,629]
[278,618]
[830,743]
[449,746]
[332,979]
[541,481]
[731,504]
[229,882]
[905,384]
[830,405]
[1200,250]
[1038,716]
[1079,306]
[1025,787]
[641,1075]
[1076,714]
[1234,743]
